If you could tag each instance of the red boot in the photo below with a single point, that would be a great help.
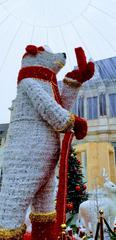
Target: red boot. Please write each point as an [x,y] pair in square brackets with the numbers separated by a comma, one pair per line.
[43,226]
[13,234]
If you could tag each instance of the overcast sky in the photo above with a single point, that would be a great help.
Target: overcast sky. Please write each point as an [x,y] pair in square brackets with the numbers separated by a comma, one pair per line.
[62,24]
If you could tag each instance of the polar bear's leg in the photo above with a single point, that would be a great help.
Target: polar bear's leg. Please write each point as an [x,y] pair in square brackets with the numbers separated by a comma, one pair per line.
[15,197]
[44,199]
[12,212]
[19,185]
[43,214]
[14,200]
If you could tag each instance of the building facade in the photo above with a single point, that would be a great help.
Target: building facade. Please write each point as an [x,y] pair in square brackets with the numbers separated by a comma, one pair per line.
[97,103]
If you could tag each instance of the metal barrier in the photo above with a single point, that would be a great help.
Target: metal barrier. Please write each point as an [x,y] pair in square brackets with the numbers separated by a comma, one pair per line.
[99,229]
[64,235]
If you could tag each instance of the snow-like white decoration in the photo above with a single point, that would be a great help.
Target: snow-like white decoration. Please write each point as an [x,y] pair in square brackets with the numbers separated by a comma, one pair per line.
[102,199]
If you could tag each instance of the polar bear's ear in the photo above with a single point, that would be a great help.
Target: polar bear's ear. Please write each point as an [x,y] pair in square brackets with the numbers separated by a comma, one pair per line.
[48,49]
[31,49]
[40,49]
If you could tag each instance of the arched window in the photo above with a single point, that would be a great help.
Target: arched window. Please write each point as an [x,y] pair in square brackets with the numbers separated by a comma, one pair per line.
[81,106]
[102,104]
[112,104]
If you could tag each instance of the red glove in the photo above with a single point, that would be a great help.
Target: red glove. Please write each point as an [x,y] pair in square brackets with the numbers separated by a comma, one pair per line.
[85,70]
[80,128]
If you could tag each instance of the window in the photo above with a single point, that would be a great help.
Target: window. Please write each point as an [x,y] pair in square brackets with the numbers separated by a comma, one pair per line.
[115,153]
[102,104]
[112,104]
[1,173]
[84,164]
[114,145]
[92,107]
[81,106]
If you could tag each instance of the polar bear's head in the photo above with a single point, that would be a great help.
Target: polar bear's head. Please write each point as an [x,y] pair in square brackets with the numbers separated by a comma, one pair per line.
[42,56]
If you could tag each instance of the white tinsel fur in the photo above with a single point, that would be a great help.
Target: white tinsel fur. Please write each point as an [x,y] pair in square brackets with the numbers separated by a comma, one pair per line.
[32,149]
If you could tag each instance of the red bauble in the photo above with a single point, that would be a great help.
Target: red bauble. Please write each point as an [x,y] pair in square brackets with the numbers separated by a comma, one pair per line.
[27,236]
[70,232]
[81,234]
[79,162]
[69,206]
[78,188]
[84,187]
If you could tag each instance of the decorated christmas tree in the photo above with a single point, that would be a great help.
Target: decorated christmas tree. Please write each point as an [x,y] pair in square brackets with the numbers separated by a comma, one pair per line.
[76,191]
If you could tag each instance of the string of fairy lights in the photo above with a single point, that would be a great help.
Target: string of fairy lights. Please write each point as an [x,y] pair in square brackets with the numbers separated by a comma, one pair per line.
[73,24]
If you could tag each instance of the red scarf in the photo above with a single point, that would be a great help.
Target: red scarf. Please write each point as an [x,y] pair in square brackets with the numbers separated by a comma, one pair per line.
[43,73]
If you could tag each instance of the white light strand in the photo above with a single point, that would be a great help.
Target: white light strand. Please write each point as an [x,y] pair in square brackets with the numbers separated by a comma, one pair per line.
[5,19]
[32,34]
[43,26]
[65,45]
[2,2]
[10,46]
[80,37]
[99,32]
[103,12]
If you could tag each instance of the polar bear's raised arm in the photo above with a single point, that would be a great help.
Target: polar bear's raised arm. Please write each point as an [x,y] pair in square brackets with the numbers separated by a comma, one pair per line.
[74,79]
[59,118]
[69,95]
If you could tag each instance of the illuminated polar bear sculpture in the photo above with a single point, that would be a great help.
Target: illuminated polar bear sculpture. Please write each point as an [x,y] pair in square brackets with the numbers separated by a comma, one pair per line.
[32,146]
